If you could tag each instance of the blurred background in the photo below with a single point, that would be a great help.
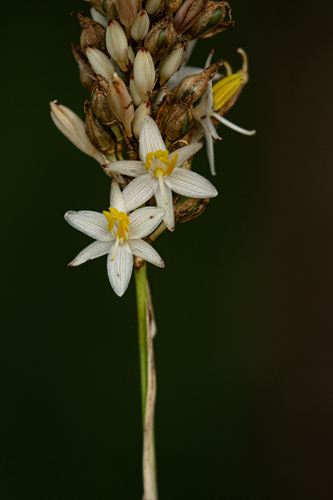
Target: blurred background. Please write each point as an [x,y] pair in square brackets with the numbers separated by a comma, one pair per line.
[243,307]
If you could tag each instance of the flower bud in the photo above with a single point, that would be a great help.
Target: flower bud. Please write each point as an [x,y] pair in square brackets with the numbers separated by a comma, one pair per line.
[171,6]
[187,15]
[140,27]
[110,9]
[130,54]
[171,63]
[140,113]
[86,71]
[121,103]
[197,83]
[96,133]
[99,18]
[74,129]
[211,21]
[179,119]
[92,33]
[136,96]
[161,39]
[127,11]
[99,101]
[116,43]
[97,4]
[100,63]
[152,6]
[144,71]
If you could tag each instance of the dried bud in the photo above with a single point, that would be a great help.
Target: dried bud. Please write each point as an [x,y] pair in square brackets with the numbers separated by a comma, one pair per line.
[100,63]
[136,96]
[188,14]
[140,27]
[86,71]
[99,101]
[152,6]
[96,133]
[161,38]
[92,33]
[99,18]
[171,6]
[121,103]
[116,43]
[211,21]
[197,83]
[110,9]
[171,63]
[127,11]
[179,119]
[190,209]
[74,129]
[140,113]
[144,71]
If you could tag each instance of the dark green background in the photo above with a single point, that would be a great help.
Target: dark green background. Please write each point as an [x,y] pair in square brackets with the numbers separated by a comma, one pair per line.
[244,344]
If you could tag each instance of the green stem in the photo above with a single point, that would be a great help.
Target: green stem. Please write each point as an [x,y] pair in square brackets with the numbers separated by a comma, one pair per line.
[141,298]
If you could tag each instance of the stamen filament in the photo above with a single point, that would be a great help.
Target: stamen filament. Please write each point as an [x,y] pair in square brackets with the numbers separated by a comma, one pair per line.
[159,175]
[231,125]
[115,249]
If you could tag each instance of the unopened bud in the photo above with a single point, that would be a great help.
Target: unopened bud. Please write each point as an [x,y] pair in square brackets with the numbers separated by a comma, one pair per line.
[100,63]
[161,38]
[212,21]
[140,27]
[187,15]
[92,34]
[127,11]
[136,96]
[121,103]
[171,63]
[99,18]
[171,6]
[179,119]
[144,71]
[74,129]
[96,132]
[99,101]
[140,113]
[116,43]
[197,83]
[152,6]
[131,54]
[86,71]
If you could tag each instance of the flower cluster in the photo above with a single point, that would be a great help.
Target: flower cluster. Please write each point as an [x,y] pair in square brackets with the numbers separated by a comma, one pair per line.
[144,119]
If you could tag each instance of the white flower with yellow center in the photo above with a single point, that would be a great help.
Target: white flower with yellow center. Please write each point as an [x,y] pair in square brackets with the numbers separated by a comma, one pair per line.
[118,235]
[159,173]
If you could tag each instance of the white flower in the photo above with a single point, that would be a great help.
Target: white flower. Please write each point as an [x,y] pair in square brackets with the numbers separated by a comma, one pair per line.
[158,174]
[118,235]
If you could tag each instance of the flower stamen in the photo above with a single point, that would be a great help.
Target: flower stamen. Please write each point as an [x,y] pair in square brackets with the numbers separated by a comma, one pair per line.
[112,217]
[225,88]
[159,174]
[163,157]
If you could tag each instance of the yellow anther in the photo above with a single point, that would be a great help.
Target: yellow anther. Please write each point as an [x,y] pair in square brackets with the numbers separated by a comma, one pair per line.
[163,157]
[121,218]
[171,165]
[225,88]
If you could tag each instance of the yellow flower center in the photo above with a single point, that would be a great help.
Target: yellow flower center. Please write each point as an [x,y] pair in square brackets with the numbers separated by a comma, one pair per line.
[112,217]
[163,157]
[225,88]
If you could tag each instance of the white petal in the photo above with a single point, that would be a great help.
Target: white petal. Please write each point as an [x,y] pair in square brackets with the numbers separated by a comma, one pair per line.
[120,270]
[116,198]
[150,138]
[99,18]
[128,167]
[142,249]
[96,249]
[169,217]
[185,153]
[139,191]
[93,224]
[144,221]
[188,183]
[229,124]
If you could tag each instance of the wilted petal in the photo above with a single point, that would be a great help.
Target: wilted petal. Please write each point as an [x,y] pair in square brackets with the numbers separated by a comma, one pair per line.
[144,221]
[150,138]
[96,249]
[210,148]
[120,270]
[229,124]
[116,198]
[188,183]
[185,153]
[90,223]
[128,167]
[169,217]
[139,191]
[142,249]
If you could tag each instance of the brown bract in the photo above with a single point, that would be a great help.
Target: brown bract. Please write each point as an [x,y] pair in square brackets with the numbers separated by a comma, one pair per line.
[99,101]
[179,119]
[190,209]
[87,75]
[99,137]
[92,34]
[110,9]
[212,21]
[161,39]
[197,83]
[187,15]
